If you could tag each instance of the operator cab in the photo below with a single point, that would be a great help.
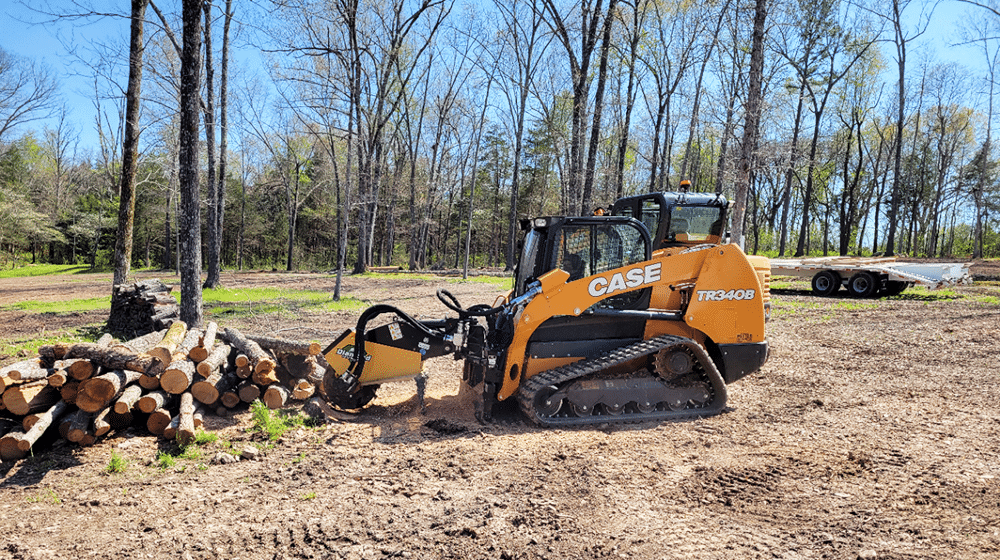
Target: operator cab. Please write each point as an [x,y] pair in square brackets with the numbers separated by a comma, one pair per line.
[677,219]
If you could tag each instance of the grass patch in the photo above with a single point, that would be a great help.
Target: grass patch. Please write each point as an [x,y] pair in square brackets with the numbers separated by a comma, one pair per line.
[505,282]
[267,300]
[44,270]
[164,460]
[48,496]
[398,275]
[309,496]
[204,438]
[987,300]
[66,307]
[274,423]
[117,464]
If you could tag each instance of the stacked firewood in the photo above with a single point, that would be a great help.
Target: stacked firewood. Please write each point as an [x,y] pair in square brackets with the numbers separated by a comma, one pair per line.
[141,308]
[166,380]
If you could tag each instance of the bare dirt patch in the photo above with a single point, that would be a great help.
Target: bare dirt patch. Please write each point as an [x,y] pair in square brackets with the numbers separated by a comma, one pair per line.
[872,431]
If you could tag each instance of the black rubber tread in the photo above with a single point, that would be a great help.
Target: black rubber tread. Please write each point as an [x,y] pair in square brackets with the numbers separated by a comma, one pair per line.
[560,376]
[826,283]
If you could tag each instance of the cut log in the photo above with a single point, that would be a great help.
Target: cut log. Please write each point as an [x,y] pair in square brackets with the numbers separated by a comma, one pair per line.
[264,377]
[185,430]
[110,358]
[53,352]
[244,371]
[215,360]
[170,432]
[155,400]
[106,339]
[46,419]
[35,396]
[58,379]
[142,344]
[28,421]
[206,345]
[230,399]
[261,360]
[248,391]
[97,393]
[78,368]
[158,421]
[10,445]
[242,361]
[80,425]
[6,381]
[199,415]
[69,390]
[27,370]
[276,396]
[303,390]
[130,395]
[302,367]
[209,390]
[285,346]
[149,382]
[178,376]
[164,350]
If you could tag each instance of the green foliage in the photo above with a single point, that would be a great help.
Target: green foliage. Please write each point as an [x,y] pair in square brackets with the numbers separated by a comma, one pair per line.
[117,464]
[48,496]
[309,496]
[204,438]
[165,460]
[274,424]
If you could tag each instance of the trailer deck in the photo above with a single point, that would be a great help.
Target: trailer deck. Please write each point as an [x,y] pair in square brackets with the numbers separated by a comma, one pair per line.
[871,276]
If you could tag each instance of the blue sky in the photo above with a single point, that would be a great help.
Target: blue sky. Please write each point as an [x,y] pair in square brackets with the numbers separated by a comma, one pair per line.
[42,44]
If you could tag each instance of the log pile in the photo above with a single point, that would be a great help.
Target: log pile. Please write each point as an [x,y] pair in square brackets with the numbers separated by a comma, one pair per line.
[166,381]
[141,308]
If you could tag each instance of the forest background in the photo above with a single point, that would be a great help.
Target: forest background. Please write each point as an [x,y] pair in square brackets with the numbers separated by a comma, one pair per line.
[344,134]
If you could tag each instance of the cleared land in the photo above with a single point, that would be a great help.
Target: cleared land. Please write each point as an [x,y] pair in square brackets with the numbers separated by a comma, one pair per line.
[872,431]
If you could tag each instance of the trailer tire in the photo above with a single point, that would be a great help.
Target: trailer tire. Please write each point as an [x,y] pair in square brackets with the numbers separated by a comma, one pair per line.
[895,287]
[825,283]
[863,285]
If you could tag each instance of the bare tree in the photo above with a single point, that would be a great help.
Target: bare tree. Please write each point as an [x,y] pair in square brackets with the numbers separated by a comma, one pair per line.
[751,121]
[190,211]
[28,92]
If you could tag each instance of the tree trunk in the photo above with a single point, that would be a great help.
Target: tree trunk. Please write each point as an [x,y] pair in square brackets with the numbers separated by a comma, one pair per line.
[213,234]
[190,227]
[752,120]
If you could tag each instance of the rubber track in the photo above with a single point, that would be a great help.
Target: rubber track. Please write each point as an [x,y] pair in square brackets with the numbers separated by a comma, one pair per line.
[559,376]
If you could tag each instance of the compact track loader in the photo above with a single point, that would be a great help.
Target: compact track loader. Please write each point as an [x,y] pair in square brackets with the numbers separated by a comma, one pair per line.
[644,314]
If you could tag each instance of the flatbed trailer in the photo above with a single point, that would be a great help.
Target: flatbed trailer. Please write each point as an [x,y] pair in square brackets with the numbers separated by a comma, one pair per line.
[872,276]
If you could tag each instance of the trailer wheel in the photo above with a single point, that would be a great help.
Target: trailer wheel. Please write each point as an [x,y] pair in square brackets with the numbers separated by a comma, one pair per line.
[895,287]
[863,285]
[825,283]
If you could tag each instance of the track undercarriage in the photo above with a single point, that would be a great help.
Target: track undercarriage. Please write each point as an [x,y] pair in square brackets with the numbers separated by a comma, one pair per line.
[681,381]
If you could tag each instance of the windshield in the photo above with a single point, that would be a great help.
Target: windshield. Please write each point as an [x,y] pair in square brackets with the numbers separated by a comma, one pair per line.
[695,223]
[526,266]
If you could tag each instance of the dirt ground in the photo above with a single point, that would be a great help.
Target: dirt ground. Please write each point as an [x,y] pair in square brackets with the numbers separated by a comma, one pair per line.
[871,432]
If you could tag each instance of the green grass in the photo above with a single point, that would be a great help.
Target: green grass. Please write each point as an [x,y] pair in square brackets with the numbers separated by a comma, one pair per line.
[274,423]
[265,300]
[204,438]
[61,307]
[44,270]
[309,496]
[165,460]
[117,464]
[48,495]
[504,282]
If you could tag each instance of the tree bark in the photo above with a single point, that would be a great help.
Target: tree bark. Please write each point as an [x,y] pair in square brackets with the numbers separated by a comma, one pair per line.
[204,347]
[111,358]
[164,350]
[190,226]
[43,422]
[98,392]
[209,390]
[185,429]
[178,377]
[127,400]
[219,355]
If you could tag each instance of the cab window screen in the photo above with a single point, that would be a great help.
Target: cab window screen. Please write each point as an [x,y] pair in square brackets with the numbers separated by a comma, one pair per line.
[588,249]
[649,215]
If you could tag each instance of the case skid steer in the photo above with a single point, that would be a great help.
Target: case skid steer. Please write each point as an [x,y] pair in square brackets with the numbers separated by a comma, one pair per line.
[644,314]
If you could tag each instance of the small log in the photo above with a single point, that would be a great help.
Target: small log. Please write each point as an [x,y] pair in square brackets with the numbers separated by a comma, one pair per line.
[214,360]
[28,421]
[155,400]
[27,370]
[45,420]
[164,312]
[149,382]
[97,392]
[264,377]
[36,396]
[261,360]
[248,391]
[285,346]
[244,371]
[164,350]
[209,390]
[130,395]
[80,369]
[80,425]
[276,396]
[185,429]
[170,432]
[110,358]
[178,376]
[6,381]
[105,340]
[242,361]
[158,421]
[59,378]
[230,399]
[10,445]
[87,440]
[199,415]
[53,352]
[206,345]
[303,390]
[69,390]
[101,423]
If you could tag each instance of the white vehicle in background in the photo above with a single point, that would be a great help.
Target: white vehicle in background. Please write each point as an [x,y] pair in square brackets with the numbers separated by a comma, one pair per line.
[870,277]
